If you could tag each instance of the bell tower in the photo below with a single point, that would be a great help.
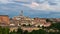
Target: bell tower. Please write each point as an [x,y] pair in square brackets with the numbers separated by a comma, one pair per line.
[21,13]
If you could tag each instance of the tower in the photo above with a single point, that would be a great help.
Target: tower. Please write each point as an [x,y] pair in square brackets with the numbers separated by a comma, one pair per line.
[21,13]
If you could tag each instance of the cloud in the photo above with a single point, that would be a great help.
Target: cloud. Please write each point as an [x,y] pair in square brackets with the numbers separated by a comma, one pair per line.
[51,5]
[23,0]
[43,6]
[33,8]
[6,1]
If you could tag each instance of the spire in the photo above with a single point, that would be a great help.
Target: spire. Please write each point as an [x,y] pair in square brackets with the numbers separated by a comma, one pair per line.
[21,13]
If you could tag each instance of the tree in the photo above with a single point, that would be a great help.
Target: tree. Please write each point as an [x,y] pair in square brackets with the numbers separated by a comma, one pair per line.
[1,30]
[24,25]
[19,31]
[29,25]
[4,30]
[33,32]
[48,20]
[13,32]
[55,25]
[54,33]
[25,32]
[41,31]
[38,26]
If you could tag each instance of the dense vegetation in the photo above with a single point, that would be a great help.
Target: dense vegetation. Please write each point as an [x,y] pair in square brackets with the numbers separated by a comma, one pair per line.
[4,30]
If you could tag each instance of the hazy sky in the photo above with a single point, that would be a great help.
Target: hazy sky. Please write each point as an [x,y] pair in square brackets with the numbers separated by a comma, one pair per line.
[32,8]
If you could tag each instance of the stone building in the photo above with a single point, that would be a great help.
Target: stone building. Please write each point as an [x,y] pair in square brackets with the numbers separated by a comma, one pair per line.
[4,19]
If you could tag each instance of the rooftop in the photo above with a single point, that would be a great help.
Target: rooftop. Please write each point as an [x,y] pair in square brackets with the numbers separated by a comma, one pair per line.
[4,15]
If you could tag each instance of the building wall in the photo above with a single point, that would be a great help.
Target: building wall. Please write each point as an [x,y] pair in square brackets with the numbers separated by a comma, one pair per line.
[4,19]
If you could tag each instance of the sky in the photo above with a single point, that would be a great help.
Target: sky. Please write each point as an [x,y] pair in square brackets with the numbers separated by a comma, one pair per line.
[31,8]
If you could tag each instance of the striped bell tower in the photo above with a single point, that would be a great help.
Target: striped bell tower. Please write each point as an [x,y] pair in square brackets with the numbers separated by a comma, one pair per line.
[21,13]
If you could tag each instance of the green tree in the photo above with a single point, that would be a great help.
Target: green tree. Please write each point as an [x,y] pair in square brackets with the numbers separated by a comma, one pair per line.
[54,33]
[48,20]
[55,26]
[38,26]
[33,32]
[29,25]
[1,30]
[25,32]
[24,25]
[4,30]
[13,32]
[19,31]
[41,31]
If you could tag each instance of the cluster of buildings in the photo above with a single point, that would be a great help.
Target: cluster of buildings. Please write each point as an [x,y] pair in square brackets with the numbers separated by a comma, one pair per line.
[23,20]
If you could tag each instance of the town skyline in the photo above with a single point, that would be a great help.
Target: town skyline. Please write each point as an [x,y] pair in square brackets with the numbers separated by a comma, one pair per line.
[29,16]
